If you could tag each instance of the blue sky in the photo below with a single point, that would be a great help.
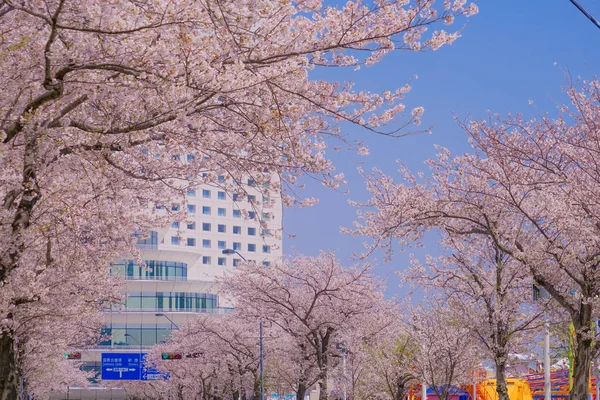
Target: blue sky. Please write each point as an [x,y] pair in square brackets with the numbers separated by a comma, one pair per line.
[513,51]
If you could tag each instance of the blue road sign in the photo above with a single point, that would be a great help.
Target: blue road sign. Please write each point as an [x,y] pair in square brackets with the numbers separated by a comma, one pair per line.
[151,374]
[121,366]
[128,367]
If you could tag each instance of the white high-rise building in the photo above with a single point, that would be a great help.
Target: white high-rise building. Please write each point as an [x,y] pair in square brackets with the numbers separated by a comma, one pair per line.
[182,263]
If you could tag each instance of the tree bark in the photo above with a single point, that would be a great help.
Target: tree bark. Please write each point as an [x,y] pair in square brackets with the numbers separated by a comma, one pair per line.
[323,390]
[9,375]
[256,388]
[301,391]
[9,378]
[582,353]
[501,377]
[400,389]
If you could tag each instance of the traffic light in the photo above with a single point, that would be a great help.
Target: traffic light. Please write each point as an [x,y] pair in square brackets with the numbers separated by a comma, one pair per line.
[171,356]
[73,356]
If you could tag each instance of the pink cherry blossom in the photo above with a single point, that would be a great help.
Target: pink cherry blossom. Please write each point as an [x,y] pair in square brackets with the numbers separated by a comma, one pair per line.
[529,187]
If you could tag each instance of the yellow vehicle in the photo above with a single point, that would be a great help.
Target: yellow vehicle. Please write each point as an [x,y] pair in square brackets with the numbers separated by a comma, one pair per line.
[518,389]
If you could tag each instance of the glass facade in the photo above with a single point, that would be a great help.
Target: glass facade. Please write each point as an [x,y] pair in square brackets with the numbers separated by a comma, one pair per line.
[155,270]
[170,301]
[144,335]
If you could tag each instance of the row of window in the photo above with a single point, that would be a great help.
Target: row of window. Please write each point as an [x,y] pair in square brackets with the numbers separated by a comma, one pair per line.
[170,301]
[222,261]
[221,195]
[221,244]
[222,212]
[222,228]
[136,335]
[154,270]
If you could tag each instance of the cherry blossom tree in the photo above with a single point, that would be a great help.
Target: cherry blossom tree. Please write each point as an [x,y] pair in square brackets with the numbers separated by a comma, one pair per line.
[488,291]
[388,367]
[529,187]
[312,299]
[447,354]
[291,366]
[220,359]
[111,107]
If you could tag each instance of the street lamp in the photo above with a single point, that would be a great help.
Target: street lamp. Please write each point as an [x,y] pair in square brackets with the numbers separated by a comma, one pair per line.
[262,357]
[170,320]
[232,251]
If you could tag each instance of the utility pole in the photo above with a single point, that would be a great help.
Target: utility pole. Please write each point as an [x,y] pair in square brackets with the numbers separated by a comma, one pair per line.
[262,362]
[547,382]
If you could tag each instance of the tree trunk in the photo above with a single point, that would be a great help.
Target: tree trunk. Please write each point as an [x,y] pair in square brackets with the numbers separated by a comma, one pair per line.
[324,365]
[9,377]
[400,389]
[582,357]
[501,389]
[301,391]
[256,389]
[323,389]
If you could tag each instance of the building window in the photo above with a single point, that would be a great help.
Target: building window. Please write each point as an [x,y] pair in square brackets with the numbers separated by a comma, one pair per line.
[191,226]
[237,214]
[266,233]
[174,240]
[251,247]
[237,230]
[191,242]
[191,192]
[190,157]
[221,195]
[191,208]
[235,197]
[266,248]
[206,193]
[221,178]
[222,261]
[251,198]
[206,243]
[206,260]
[266,217]
[221,245]
[221,212]
[251,231]
[206,227]
[236,262]
[175,224]
[155,270]
[266,264]
[221,228]
[266,199]
[237,246]
[206,210]
[251,214]
[251,182]
[175,207]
